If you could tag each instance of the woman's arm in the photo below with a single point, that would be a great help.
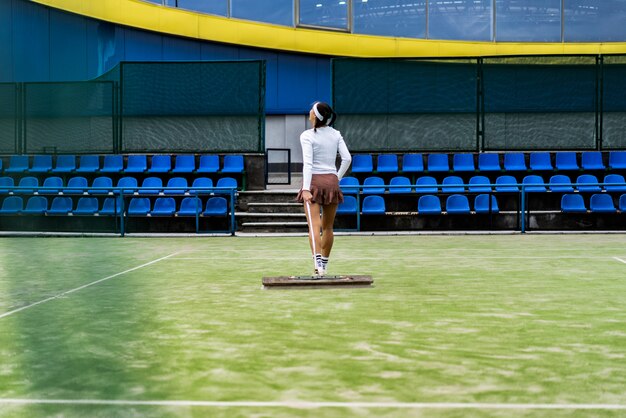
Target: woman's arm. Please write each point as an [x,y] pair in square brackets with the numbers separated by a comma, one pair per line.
[346,158]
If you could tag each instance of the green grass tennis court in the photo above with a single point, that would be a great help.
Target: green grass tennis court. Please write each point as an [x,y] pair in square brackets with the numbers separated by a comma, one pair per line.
[456,326]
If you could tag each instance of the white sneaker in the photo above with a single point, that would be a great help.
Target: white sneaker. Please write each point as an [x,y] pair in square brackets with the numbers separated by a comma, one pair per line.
[319,269]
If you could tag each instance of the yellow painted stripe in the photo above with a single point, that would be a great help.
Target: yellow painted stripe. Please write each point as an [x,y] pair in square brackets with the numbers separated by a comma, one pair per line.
[172,21]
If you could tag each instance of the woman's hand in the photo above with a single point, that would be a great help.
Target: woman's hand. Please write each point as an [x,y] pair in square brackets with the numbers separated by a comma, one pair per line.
[307,196]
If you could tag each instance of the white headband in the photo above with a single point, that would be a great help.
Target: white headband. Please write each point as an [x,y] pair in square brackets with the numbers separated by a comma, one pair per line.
[317,112]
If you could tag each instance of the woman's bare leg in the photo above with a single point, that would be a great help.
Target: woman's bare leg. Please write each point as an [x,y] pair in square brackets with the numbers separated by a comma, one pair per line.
[328,220]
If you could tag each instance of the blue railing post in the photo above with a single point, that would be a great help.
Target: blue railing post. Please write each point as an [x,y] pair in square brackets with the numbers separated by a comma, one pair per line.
[358,210]
[121,199]
[232,212]
[523,210]
[197,211]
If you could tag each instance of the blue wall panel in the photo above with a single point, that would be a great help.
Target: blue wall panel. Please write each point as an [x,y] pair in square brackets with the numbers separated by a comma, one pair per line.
[210,51]
[142,46]
[105,47]
[179,49]
[6,40]
[31,42]
[68,41]
[272,103]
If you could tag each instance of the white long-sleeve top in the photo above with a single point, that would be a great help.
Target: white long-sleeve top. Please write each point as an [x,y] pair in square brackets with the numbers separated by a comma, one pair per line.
[319,152]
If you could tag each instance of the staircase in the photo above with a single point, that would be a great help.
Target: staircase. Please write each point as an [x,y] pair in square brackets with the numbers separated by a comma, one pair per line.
[270,211]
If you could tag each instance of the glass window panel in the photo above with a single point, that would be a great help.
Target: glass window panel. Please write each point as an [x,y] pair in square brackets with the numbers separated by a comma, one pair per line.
[327,13]
[528,20]
[595,21]
[215,7]
[460,20]
[405,18]
[279,12]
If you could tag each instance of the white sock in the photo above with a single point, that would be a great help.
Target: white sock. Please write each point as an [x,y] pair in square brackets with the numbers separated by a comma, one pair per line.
[325,262]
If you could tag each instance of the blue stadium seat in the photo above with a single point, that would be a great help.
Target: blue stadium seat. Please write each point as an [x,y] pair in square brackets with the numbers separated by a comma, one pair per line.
[348,207]
[349,185]
[429,205]
[151,185]
[362,163]
[481,204]
[573,203]
[5,183]
[136,164]
[452,184]
[112,206]
[401,185]
[160,164]
[412,163]
[479,184]
[176,185]
[615,178]
[88,164]
[199,183]
[588,183]
[457,204]
[489,162]
[112,164]
[36,205]
[438,163]
[228,182]
[534,183]
[387,163]
[17,164]
[540,161]
[128,185]
[566,161]
[30,184]
[374,184]
[233,164]
[139,206]
[602,203]
[506,184]
[514,161]
[216,206]
[53,185]
[41,164]
[102,185]
[76,185]
[617,160]
[622,203]
[184,164]
[164,206]
[86,206]
[428,183]
[190,206]
[65,164]
[463,162]
[209,164]
[592,160]
[373,205]
[560,183]
[61,205]
[12,205]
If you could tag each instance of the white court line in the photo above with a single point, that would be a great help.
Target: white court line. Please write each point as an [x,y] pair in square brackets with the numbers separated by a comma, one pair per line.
[410,257]
[86,285]
[306,404]
[619,259]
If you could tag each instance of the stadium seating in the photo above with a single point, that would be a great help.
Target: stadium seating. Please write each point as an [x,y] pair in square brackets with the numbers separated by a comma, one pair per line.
[592,160]
[216,206]
[587,183]
[138,206]
[374,185]
[540,161]
[233,164]
[65,164]
[160,164]
[489,162]
[348,207]
[200,183]
[533,183]
[41,164]
[400,184]
[573,203]
[52,185]
[457,204]
[617,160]
[387,163]
[506,184]
[36,205]
[429,205]
[112,164]
[101,185]
[373,205]
[29,185]
[128,185]
[560,183]
[622,203]
[76,185]
[190,206]
[479,184]
[185,164]
[61,205]
[226,182]
[463,163]
[429,185]
[86,206]
[151,185]
[12,205]
[452,184]
[412,163]
[111,206]
[5,183]
[88,164]
[209,164]
[438,163]
[164,206]
[481,204]
[349,185]
[615,178]
[601,203]
[514,161]
[362,163]
[136,164]
[180,184]
[18,164]
[566,161]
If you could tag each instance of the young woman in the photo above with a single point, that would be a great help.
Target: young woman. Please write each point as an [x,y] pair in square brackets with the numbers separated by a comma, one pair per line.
[320,191]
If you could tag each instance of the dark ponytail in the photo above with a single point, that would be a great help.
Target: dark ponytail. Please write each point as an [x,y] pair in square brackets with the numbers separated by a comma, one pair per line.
[328,115]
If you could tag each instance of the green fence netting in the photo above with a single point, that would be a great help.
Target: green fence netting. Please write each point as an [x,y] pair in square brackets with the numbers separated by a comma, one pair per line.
[8,118]
[613,102]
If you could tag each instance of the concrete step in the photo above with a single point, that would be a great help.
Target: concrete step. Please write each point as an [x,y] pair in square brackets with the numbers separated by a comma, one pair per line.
[273,207]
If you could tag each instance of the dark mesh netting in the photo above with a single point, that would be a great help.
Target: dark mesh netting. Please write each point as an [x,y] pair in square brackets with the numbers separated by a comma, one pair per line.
[8,118]
[69,117]
[614,103]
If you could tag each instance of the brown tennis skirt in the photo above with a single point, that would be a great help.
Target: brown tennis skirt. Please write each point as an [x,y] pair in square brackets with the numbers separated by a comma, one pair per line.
[325,190]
